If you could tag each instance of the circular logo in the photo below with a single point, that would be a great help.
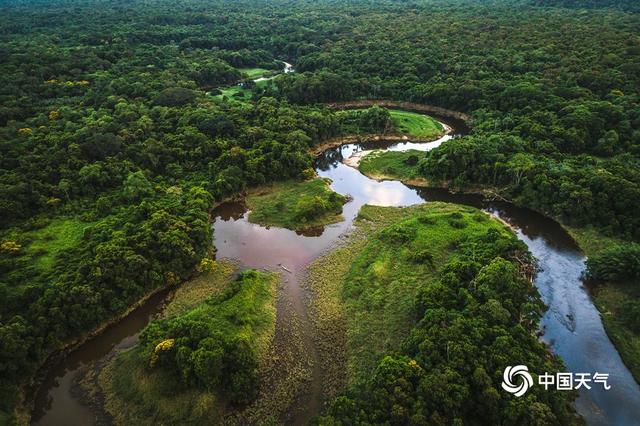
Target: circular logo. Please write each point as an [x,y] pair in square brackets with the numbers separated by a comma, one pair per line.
[512,374]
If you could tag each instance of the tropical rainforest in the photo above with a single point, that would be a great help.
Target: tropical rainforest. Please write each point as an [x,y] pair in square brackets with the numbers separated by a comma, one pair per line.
[123,122]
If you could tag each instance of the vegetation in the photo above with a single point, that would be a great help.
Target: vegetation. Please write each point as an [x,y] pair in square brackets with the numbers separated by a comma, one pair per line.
[198,359]
[619,303]
[296,204]
[254,73]
[415,124]
[112,120]
[616,273]
[413,270]
[400,165]
[38,248]
[618,263]
[392,121]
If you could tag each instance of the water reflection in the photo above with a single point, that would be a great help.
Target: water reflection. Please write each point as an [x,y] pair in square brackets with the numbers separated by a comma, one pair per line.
[572,325]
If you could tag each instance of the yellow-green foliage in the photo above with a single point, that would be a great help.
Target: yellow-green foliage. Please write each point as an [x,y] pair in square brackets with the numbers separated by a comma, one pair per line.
[40,247]
[296,204]
[379,276]
[209,283]
[138,394]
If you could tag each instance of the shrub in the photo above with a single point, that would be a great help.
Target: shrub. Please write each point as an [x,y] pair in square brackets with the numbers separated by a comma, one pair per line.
[630,314]
[617,263]
[175,96]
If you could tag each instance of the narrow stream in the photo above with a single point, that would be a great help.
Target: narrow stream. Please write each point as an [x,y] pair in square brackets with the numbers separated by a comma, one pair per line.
[572,324]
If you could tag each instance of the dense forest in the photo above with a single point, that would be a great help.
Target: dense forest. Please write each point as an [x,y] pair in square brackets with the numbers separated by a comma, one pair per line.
[473,307]
[113,145]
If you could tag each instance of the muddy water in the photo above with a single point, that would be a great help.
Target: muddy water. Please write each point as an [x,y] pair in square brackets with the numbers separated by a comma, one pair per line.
[572,325]
[55,404]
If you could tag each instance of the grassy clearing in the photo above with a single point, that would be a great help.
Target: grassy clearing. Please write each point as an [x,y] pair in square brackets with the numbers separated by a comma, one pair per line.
[137,394]
[235,92]
[254,73]
[591,240]
[240,93]
[405,123]
[609,298]
[401,166]
[414,124]
[193,292]
[365,290]
[56,237]
[296,205]
[39,248]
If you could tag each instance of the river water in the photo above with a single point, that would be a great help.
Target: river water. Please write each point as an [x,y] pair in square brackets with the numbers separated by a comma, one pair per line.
[572,325]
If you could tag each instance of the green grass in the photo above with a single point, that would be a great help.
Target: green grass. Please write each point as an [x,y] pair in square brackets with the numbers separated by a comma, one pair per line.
[591,240]
[392,165]
[193,292]
[40,247]
[365,290]
[239,93]
[414,124]
[296,205]
[56,237]
[137,394]
[609,297]
[254,73]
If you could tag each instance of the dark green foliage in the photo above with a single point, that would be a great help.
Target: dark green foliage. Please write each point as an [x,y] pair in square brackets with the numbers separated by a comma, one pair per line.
[618,263]
[580,190]
[370,120]
[106,116]
[478,316]
[631,5]
[630,314]
[175,97]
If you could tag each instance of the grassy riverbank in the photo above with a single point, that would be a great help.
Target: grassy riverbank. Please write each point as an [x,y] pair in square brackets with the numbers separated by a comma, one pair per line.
[143,386]
[414,124]
[610,298]
[376,295]
[396,165]
[296,205]
[396,121]
[365,290]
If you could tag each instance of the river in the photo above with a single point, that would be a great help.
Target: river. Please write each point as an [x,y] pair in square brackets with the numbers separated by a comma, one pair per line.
[572,325]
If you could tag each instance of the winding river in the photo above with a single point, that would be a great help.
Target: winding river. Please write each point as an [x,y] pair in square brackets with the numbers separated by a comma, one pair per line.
[572,325]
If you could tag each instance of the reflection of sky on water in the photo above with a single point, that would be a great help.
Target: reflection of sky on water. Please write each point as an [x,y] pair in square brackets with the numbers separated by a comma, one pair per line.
[572,324]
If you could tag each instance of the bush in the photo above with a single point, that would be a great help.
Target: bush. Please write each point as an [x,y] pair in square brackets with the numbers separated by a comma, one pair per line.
[175,96]
[209,347]
[398,234]
[309,208]
[630,314]
[618,263]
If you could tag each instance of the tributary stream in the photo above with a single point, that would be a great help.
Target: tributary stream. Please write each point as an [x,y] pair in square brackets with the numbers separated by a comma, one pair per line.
[572,325]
